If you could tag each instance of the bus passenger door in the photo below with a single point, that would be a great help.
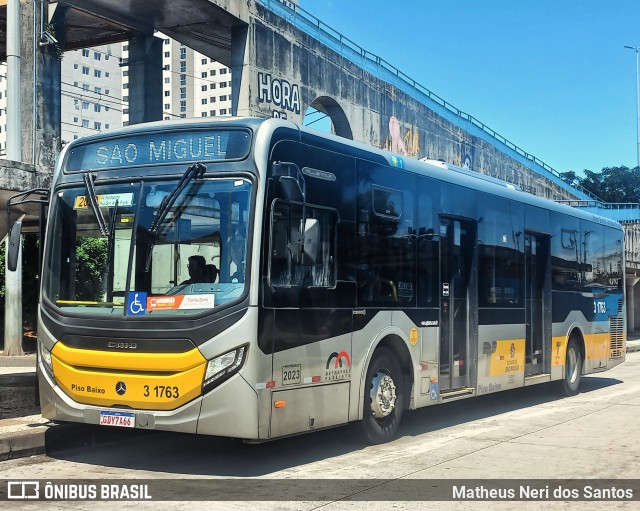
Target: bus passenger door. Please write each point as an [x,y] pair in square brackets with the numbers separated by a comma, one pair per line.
[536,255]
[457,241]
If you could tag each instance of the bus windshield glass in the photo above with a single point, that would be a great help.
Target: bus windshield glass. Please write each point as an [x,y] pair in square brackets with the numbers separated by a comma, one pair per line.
[164,247]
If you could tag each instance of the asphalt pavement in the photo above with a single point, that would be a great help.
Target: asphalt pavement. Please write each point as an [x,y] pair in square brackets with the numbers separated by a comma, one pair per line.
[24,432]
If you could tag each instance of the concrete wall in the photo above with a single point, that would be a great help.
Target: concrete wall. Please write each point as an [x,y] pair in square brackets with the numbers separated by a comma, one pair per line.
[286,70]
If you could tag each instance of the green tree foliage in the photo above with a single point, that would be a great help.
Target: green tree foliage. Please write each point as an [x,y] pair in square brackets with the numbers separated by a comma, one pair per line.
[91,257]
[611,184]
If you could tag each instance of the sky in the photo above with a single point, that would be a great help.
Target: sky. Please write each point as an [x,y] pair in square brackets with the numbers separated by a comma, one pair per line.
[551,76]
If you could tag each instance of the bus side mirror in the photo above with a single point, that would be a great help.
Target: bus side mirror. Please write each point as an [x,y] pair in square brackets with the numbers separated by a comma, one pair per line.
[14,245]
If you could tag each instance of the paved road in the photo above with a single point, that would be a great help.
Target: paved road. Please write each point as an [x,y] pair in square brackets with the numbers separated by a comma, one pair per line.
[524,434]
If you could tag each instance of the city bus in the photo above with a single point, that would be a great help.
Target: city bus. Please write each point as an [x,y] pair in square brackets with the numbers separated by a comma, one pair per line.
[255,279]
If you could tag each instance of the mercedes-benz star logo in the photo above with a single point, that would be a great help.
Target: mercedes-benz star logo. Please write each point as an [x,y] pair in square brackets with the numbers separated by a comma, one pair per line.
[121,388]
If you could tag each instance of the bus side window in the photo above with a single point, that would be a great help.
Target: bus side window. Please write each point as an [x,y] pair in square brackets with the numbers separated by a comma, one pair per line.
[303,247]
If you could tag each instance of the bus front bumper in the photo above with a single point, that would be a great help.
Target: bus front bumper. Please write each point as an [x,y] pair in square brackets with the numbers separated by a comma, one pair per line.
[230,410]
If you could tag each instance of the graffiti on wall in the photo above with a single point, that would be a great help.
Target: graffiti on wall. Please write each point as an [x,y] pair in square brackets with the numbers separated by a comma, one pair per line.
[407,144]
[281,95]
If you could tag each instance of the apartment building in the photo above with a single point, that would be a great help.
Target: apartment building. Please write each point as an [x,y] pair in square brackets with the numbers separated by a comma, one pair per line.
[95,88]
[193,84]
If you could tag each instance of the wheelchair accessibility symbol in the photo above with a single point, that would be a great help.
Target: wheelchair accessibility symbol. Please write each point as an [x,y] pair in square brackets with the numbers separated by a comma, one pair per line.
[136,303]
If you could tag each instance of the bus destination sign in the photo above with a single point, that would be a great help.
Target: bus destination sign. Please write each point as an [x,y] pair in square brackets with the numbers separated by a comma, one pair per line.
[160,148]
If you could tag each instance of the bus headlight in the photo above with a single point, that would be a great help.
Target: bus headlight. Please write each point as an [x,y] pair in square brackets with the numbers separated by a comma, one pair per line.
[223,367]
[45,357]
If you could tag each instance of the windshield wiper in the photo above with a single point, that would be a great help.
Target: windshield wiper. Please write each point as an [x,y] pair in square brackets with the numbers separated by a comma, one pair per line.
[93,200]
[195,171]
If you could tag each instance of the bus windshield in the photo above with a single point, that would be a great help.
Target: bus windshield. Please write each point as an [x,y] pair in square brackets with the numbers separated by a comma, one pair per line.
[164,247]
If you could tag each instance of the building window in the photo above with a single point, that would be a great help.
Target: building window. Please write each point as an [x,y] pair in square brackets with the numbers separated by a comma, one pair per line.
[203,114]
[223,111]
[167,41]
[167,80]
[106,91]
[75,66]
[85,86]
[212,85]
[165,67]
[96,125]
[203,74]
[85,70]
[204,88]
[212,72]
[203,62]
[125,73]
[75,84]
[212,99]
[106,74]
[183,109]
[106,108]
[75,119]
[183,103]
[125,85]
[223,97]
[96,55]
[167,106]
[76,104]
[212,113]
[85,123]
[223,71]
[106,125]
[125,47]
[204,101]
[167,54]
[96,107]
[167,93]
[97,73]
[85,105]
[97,90]
[85,52]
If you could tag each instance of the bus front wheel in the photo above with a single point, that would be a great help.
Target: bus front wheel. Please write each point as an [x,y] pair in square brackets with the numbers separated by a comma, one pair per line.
[572,368]
[383,398]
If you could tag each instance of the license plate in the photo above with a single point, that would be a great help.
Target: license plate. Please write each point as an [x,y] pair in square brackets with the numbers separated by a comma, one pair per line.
[118,419]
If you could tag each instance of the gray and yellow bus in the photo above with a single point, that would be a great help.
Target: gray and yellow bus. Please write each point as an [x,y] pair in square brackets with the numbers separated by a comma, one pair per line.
[256,279]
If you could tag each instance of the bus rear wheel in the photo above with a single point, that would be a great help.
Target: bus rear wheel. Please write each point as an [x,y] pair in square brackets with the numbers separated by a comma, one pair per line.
[383,398]
[572,368]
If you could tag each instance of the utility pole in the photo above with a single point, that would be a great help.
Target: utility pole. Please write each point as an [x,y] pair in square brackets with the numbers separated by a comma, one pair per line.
[636,48]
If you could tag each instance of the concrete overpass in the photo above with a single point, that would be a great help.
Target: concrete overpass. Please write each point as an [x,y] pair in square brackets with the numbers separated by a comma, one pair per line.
[283,61]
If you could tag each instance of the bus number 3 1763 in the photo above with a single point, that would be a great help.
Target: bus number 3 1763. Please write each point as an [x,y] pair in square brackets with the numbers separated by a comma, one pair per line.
[162,391]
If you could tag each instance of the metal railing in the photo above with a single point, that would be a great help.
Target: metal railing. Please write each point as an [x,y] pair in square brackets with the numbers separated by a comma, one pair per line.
[300,14]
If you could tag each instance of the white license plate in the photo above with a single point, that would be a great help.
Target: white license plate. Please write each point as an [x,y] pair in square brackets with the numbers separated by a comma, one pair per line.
[118,419]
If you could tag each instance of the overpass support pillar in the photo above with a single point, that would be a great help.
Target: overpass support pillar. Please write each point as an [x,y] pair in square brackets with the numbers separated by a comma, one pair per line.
[145,79]
[240,72]
[633,303]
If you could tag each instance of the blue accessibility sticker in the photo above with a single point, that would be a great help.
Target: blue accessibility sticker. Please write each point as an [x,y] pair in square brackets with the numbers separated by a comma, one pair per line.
[136,303]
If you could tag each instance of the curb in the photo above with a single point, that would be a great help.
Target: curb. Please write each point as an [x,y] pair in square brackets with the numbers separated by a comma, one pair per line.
[19,444]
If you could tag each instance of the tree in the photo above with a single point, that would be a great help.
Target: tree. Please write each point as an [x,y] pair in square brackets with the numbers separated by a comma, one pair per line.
[612,184]
[91,254]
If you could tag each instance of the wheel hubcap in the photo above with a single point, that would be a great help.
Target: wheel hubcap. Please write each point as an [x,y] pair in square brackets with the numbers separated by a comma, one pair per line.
[383,395]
